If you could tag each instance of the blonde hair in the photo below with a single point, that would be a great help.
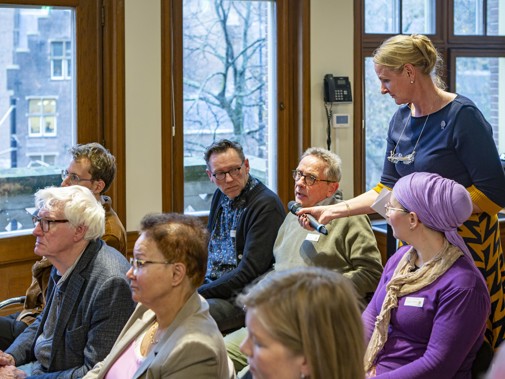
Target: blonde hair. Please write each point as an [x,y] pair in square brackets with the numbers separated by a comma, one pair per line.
[416,49]
[313,312]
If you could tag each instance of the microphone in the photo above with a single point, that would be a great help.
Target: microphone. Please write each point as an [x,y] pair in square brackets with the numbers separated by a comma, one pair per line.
[294,207]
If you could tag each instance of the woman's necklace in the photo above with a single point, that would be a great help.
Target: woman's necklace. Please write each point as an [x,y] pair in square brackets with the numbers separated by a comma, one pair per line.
[152,334]
[395,157]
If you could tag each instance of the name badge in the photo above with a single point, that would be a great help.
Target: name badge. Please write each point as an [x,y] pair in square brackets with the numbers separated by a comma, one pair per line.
[414,302]
[233,233]
[312,237]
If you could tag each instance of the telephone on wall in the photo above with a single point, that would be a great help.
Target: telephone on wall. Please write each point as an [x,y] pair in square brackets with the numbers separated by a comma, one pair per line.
[337,89]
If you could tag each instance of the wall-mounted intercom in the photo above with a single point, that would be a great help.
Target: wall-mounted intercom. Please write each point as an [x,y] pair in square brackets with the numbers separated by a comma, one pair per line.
[337,89]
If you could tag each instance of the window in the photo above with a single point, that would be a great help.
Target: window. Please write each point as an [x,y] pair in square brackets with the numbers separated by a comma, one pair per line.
[226,79]
[42,117]
[42,160]
[229,61]
[61,55]
[470,40]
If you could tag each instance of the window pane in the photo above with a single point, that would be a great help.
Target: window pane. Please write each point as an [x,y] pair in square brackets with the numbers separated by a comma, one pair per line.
[378,111]
[57,49]
[418,16]
[381,16]
[468,17]
[229,84]
[482,79]
[495,18]
[28,118]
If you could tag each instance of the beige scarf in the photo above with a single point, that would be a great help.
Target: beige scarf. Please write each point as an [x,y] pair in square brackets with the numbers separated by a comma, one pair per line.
[403,282]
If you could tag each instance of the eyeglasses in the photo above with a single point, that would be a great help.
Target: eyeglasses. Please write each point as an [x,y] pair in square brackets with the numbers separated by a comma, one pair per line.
[234,173]
[140,263]
[308,179]
[44,222]
[74,178]
[389,208]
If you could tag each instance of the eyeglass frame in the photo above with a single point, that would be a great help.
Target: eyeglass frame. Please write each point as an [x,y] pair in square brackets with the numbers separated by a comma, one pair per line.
[44,221]
[134,262]
[72,177]
[389,208]
[297,175]
[234,173]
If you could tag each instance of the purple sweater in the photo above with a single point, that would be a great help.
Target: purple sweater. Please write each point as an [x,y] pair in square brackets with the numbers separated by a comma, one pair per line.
[440,338]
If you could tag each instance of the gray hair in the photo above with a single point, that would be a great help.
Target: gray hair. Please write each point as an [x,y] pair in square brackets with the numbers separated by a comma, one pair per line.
[79,206]
[333,170]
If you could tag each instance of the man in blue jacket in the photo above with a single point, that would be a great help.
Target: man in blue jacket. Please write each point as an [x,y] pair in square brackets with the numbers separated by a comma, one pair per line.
[243,222]
[88,297]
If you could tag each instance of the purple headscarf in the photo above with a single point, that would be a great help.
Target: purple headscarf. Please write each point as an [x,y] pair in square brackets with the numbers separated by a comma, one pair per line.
[441,204]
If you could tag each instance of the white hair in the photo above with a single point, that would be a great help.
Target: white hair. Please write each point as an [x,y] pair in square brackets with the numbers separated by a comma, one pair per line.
[79,206]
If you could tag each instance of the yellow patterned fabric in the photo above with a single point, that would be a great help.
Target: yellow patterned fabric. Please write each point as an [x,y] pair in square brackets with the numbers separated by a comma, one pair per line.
[481,233]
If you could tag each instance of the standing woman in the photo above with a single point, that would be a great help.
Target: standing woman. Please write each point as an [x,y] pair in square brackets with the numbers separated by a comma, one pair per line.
[444,133]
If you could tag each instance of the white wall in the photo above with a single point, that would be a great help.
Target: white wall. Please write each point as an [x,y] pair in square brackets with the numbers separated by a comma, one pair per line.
[331,43]
[143,109]
[331,52]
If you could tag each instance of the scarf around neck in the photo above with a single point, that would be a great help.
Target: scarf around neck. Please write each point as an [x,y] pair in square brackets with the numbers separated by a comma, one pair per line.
[403,282]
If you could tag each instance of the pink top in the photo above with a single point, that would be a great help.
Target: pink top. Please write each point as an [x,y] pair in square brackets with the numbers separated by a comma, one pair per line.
[128,363]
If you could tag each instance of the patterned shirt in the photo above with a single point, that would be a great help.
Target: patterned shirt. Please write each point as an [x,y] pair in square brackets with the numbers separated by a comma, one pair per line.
[222,254]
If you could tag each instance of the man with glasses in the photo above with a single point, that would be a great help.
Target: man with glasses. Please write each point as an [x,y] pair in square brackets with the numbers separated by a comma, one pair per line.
[93,167]
[349,247]
[88,296]
[243,222]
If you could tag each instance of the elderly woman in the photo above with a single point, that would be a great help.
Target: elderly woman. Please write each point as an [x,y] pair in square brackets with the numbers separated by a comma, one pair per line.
[303,323]
[171,333]
[428,316]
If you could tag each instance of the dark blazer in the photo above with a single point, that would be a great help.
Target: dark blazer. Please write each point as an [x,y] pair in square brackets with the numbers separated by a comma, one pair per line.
[254,241]
[95,306]
[191,348]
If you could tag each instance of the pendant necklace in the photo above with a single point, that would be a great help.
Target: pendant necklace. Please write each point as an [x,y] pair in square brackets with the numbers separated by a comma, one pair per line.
[395,157]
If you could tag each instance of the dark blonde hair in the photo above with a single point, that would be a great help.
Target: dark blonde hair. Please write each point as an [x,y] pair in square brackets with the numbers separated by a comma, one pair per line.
[179,238]
[416,49]
[102,162]
[313,312]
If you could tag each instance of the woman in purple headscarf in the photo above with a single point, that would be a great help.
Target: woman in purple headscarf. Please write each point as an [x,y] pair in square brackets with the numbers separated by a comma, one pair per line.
[428,316]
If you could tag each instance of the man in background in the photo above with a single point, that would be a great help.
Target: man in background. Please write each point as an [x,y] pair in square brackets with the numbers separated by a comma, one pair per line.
[93,167]
[349,247]
[243,222]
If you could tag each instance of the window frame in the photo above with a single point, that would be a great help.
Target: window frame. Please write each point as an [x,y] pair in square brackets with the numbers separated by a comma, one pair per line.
[293,101]
[100,85]
[65,61]
[41,116]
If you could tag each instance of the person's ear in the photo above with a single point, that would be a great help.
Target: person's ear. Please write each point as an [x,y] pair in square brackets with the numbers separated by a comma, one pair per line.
[246,165]
[80,232]
[410,71]
[332,188]
[98,186]
[413,220]
[209,174]
[178,273]
[304,368]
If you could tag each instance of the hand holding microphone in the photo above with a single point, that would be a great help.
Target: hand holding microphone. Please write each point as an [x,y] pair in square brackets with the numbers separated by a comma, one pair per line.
[295,207]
